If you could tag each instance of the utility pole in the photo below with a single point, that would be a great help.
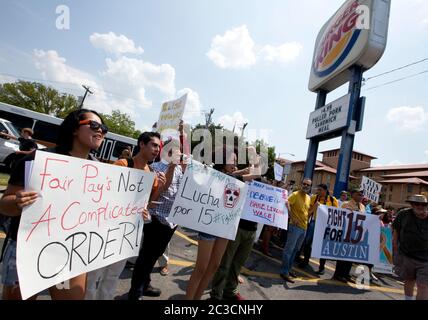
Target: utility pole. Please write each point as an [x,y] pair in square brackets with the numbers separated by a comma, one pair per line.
[208,118]
[243,128]
[87,89]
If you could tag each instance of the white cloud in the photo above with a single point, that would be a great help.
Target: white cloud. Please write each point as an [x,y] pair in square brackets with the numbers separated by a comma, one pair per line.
[54,68]
[235,120]
[134,76]
[235,49]
[284,53]
[116,44]
[408,118]
[193,104]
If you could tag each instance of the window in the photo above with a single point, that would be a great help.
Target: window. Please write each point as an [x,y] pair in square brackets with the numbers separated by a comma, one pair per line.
[45,131]
[3,128]
[390,188]
[409,188]
[119,147]
[390,197]
[19,121]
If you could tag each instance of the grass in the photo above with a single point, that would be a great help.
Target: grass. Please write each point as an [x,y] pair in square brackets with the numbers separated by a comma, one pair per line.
[4,178]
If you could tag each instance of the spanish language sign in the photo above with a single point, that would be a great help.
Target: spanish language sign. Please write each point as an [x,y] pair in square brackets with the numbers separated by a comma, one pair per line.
[371,188]
[266,204]
[209,201]
[170,116]
[88,215]
[385,259]
[342,234]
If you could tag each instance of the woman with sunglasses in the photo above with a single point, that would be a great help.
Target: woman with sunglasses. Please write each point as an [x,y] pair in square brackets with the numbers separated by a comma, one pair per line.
[81,132]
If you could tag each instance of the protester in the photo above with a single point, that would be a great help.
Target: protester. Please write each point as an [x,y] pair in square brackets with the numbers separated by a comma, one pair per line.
[410,247]
[343,198]
[226,279]
[210,247]
[322,196]
[81,131]
[163,262]
[299,204]
[102,283]
[343,268]
[158,233]
[125,154]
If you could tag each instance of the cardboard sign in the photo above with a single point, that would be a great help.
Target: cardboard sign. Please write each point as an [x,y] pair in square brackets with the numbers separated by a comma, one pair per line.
[170,116]
[386,263]
[88,216]
[371,188]
[342,234]
[279,171]
[209,201]
[265,204]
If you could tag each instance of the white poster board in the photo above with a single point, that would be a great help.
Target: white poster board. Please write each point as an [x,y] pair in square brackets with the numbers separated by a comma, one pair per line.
[170,116]
[279,171]
[266,204]
[88,216]
[372,189]
[209,201]
[342,234]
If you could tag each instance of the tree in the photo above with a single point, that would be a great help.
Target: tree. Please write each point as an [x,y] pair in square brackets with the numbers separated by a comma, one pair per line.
[121,123]
[37,97]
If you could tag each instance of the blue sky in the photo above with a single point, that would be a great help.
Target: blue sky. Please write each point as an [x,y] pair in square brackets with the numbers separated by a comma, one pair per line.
[249,60]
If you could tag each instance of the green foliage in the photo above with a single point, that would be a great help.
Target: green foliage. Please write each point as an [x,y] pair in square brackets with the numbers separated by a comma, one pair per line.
[37,97]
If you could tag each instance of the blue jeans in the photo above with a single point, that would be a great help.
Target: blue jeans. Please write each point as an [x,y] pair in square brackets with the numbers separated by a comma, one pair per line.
[295,238]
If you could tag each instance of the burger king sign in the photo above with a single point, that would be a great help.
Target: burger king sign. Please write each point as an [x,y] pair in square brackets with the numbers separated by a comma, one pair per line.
[355,35]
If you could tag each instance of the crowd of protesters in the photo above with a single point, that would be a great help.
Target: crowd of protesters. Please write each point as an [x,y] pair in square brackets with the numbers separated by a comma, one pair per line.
[219,260]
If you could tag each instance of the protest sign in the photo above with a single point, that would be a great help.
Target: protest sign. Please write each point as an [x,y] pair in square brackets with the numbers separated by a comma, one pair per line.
[265,204]
[385,259]
[279,170]
[88,215]
[342,234]
[170,116]
[209,201]
[371,188]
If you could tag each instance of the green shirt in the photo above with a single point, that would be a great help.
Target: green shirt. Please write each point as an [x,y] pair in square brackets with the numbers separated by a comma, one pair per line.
[412,235]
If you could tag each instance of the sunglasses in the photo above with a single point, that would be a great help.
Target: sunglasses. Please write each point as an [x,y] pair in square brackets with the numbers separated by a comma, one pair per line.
[94,125]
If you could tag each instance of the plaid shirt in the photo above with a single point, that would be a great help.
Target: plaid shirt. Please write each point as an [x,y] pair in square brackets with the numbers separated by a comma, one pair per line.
[162,211]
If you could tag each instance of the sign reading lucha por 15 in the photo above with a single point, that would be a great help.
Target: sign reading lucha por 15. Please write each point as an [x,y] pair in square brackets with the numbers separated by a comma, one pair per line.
[355,35]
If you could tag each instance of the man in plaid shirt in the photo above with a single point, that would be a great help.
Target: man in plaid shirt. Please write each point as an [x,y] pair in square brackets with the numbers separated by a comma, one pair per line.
[158,233]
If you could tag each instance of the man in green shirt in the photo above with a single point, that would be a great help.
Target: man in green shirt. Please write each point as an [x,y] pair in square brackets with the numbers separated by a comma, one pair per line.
[410,245]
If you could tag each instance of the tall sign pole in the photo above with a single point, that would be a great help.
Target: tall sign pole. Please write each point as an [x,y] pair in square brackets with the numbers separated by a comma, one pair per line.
[348,135]
[351,42]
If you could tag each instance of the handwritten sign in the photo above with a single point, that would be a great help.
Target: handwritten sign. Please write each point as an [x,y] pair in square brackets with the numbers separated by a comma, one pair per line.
[209,201]
[88,216]
[342,234]
[265,204]
[371,188]
[279,171]
[170,116]
[386,263]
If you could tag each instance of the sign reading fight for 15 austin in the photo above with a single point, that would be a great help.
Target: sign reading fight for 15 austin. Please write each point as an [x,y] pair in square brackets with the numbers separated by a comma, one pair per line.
[342,234]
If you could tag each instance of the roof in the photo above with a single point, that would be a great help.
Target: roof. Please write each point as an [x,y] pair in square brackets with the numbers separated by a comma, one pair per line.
[355,151]
[318,163]
[407,181]
[408,174]
[330,170]
[284,161]
[401,167]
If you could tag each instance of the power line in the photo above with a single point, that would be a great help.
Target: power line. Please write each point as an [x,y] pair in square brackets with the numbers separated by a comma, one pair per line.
[396,69]
[397,80]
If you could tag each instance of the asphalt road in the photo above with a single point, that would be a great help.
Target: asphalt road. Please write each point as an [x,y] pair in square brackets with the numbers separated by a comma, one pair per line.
[261,275]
